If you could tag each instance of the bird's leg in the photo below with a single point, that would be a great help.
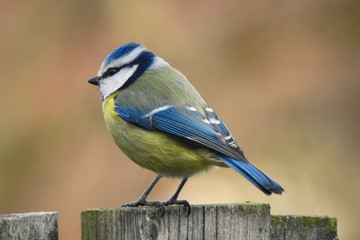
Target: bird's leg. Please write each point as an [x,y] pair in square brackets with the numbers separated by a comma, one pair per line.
[173,200]
[142,199]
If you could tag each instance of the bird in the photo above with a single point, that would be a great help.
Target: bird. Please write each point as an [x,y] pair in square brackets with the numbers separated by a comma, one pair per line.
[160,121]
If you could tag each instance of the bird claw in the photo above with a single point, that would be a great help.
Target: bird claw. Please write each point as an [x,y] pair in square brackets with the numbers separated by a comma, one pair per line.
[160,205]
[179,202]
[146,203]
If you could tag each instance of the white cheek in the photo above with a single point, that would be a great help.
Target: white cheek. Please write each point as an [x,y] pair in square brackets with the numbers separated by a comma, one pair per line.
[113,83]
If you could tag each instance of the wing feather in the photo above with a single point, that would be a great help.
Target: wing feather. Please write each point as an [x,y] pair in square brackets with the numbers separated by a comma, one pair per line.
[208,131]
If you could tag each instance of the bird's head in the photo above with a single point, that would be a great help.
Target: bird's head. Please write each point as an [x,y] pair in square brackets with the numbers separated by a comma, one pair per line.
[123,66]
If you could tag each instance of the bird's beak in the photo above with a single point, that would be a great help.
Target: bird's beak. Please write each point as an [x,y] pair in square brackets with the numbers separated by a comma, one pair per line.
[95,81]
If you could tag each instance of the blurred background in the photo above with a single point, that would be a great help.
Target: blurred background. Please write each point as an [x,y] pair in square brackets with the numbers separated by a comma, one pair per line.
[284,77]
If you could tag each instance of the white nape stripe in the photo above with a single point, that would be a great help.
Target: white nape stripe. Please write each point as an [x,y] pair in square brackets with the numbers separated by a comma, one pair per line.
[157,63]
[113,83]
[191,108]
[121,61]
[156,110]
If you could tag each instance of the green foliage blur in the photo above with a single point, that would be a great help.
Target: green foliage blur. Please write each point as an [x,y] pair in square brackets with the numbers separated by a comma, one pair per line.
[283,75]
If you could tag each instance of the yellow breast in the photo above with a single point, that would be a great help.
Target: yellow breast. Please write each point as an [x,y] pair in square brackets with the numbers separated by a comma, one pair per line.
[156,151]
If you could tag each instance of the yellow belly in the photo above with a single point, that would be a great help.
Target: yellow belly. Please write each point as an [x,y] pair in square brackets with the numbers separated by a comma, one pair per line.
[156,151]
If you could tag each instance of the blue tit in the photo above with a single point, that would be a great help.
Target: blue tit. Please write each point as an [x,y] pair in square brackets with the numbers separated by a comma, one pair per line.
[159,120]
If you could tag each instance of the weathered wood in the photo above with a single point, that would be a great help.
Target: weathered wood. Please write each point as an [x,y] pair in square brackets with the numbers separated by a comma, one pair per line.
[36,225]
[303,227]
[223,221]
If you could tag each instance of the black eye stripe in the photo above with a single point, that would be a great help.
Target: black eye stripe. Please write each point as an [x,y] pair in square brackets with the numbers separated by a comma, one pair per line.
[110,72]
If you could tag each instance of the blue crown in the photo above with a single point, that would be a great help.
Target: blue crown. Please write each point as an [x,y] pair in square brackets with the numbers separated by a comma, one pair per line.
[121,51]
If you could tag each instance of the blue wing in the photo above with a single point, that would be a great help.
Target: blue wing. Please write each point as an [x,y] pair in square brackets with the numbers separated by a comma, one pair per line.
[208,131]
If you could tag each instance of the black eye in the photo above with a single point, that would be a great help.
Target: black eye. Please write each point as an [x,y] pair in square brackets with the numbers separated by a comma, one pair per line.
[110,72]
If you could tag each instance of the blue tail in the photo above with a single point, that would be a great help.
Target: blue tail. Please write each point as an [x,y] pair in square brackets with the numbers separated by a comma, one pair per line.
[254,175]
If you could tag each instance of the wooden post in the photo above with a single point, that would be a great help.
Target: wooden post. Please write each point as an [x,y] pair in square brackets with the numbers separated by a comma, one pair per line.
[303,227]
[221,221]
[36,225]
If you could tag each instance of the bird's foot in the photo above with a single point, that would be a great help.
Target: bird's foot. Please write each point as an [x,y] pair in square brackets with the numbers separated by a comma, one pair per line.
[141,202]
[160,205]
[179,202]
